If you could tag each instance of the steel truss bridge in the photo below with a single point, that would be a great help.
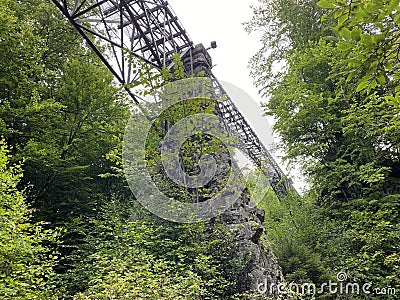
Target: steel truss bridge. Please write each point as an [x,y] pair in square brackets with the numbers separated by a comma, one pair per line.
[151,31]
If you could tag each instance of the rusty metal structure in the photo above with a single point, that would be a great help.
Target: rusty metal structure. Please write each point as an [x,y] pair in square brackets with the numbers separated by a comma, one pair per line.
[151,31]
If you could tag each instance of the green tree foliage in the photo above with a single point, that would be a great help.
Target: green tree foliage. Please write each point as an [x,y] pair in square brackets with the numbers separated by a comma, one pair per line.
[370,31]
[132,257]
[347,140]
[59,110]
[333,129]
[285,26]
[61,113]
[26,255]
[293,235]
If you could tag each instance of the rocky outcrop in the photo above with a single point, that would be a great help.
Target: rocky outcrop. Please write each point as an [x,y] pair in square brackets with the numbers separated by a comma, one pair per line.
[261,273]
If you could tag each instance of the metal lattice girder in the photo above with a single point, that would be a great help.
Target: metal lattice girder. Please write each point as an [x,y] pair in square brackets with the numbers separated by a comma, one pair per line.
[150,30]
[250,144]
[146,29]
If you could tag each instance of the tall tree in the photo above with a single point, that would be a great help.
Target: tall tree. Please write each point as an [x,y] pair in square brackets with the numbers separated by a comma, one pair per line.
[347,141]
[317,111]
[60,110]
[26,256]
[285,26]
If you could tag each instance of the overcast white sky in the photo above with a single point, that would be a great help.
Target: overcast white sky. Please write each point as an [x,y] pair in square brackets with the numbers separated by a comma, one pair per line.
[222,21]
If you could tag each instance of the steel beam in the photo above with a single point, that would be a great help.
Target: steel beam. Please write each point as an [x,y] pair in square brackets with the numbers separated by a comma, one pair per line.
[150,30]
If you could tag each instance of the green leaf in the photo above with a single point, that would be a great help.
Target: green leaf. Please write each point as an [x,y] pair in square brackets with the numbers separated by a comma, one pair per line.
[345,33]
[381,79]
[373,85]
[356,34]
[373,8]
[350,77]
[393,5]
[362,85]
[338,13]
[343,19]
[344,46]
[397,19]
[330,38]
[326,4]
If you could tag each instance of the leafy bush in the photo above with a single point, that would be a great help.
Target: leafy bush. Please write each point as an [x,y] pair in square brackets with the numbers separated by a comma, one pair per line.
[26,260]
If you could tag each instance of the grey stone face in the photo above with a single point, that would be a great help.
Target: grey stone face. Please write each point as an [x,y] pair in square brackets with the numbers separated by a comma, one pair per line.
[245,220]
